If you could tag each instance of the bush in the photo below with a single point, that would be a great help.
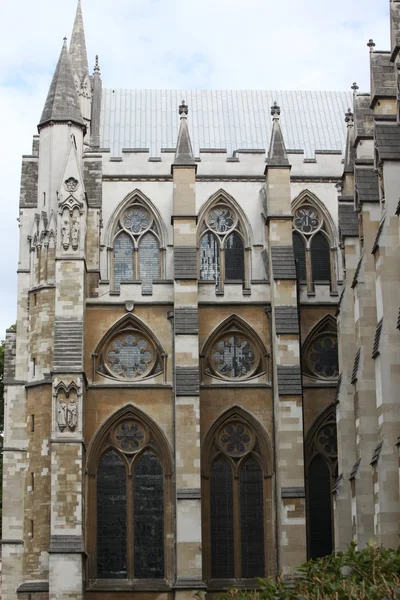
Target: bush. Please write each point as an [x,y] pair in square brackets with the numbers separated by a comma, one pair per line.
[371,574]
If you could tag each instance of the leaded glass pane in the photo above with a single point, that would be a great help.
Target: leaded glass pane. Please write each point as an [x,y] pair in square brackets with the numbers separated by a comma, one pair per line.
[123,259]
[149,258]
[300,256]
[323,356]
[148,518]
[252,519]
[234,257]
[221,520]
[319,508]
[129,356]
[111,518]
[136,219]
[221,219]
[234,356]
[209,257]
[306,219]
[320,258]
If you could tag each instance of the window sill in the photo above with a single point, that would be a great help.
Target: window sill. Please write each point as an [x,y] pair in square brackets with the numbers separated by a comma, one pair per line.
[122,585]
[220,585]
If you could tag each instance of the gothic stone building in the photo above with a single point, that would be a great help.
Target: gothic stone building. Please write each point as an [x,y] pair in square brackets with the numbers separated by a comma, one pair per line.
[176,416]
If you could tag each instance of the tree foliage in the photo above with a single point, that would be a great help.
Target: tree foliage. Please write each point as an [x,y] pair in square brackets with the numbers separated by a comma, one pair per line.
[369,574]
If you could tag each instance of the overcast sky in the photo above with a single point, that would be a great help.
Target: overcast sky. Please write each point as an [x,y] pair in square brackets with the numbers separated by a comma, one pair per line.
[217,44]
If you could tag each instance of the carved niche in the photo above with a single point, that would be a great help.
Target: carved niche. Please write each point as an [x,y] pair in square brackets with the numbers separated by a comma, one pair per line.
[71,211]
[67,398]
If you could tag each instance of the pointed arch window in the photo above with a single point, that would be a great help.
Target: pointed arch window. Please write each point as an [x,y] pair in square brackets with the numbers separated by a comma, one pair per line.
[320,351]
[222,245]
[238,540]
[129,352]
[312,242]
[321,465]
[234,352]
[136,247]
[130,488]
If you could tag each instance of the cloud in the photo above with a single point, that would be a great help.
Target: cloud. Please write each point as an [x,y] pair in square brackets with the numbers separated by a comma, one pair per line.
[219,44]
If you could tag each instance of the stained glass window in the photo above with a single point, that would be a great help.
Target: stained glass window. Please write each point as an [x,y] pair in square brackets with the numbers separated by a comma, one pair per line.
[149,258]
[111,518]
[221,219]
[148,518]
[306,219]
[221,520]
[320,258]
[209,257]
[233,356]
[234,257]
[130,356]
[252,519]
[300,256]
[319,508]
[123,259]
[323,359]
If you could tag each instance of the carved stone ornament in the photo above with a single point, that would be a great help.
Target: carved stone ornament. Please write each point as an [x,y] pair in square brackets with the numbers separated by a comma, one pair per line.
[67,406]
[71,184]
[66,233]
[129,305]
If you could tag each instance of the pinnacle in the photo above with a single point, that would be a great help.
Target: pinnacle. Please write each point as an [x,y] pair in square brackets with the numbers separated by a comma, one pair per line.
[77,47]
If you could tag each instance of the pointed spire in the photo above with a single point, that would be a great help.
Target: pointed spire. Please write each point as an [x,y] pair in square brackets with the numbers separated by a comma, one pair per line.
[277,151]
[77,47]
[184,153]
[62,101]
[350,150]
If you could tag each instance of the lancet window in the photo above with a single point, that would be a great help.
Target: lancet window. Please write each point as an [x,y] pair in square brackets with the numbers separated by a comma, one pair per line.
[321,464]
[320,351]
[222,244]
[312,244]
[130,491]
[136,249]
[237,500]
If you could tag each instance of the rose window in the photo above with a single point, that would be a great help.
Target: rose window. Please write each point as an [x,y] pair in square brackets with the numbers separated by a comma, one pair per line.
[129,437]
[235,439]
[306,219]
[323,357]
[221,219]
[130,356]
[136,219]
[233,356]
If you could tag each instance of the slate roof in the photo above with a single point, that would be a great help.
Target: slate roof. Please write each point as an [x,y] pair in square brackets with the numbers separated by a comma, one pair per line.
[367,184]
[378,332]
[348,220]
[378,235]
[387,139]
[286,319]
[355,366]
[62,102]
[231,119]
[377,451]
[283,265]
[355,469]
[357,272]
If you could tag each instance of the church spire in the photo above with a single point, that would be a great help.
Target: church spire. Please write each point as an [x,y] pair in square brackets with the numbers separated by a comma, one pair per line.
[184,153]
[77,47]
[62,103]
[277,152]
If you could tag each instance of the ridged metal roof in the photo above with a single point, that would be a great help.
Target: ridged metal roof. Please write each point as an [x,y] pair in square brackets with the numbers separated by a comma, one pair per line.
[231,119]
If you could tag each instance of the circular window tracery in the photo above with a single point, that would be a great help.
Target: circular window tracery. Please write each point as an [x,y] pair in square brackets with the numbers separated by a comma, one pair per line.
[233,356]
[221,219]
[235,439]
[323,357]
[130,355]
[130,437]
[327,439]
[136,219]
[307,220]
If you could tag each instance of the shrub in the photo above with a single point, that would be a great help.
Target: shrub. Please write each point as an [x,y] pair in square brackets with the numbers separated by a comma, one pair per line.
[369,574]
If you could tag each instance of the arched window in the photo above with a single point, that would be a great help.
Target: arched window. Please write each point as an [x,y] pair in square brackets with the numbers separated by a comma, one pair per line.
[129,352]
[238,537]
[136,247]
[320,351]
[130,467]
[234,352]
[222,242]
[321,469]
[312,241]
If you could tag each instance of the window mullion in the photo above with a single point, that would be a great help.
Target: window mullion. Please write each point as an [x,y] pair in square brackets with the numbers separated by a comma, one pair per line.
[136,270]
[129,524]
[237,538]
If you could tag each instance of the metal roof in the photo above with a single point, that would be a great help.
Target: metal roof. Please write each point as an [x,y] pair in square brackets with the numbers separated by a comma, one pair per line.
[231,119]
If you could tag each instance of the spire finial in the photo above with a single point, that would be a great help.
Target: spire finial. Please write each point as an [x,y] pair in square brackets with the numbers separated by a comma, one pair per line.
[65,40]
[354,87]
[371,45]
[349,117]
[183,110]
[275,110]
[96,65]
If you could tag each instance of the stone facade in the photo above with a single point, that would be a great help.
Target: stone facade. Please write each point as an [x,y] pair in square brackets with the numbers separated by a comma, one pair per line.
[231,320]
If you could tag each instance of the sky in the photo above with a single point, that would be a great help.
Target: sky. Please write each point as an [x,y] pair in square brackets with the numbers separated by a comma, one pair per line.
[192,44]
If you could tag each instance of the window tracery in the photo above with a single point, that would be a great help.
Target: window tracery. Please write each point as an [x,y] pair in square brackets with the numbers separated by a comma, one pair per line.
[312,242]
[136,246]
[320,350]
[234,352]
[129,467]
[237,492]
[222,243]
